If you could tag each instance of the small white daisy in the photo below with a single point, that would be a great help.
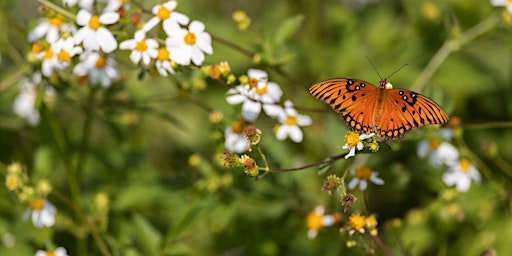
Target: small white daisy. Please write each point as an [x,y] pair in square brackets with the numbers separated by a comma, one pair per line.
[42,212]
[51,27]
[24,104]
[58,56]
[61,251]
[142,48]
[506,3]
[362,175]
[93,36]
[163,62]
[99,68]
[171,20]
[440,152]
[234,138]
[291,122]
[318,219]
[461,174]
[353,141]
[190,45]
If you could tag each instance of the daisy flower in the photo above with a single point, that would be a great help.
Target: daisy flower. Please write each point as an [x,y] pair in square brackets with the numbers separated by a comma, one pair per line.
[461,174]
[356,222]
[58,56]
[93,36]
[61,251]
[25,103]
[163,62]
[362,175]
[99,68]
[440,152]
[317,219]
[51,27]
[290,123]
[235,140]
[142,48]
[190,45]
[506,3]
[353,141]
[169,18]
[42,212]
[258,93]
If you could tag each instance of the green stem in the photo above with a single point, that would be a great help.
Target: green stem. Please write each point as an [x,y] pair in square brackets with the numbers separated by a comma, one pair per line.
[57,9]
[450,46]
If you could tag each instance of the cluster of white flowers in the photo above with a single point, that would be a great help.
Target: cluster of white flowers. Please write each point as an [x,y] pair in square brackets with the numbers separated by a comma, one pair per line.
[258,93]
[460,171]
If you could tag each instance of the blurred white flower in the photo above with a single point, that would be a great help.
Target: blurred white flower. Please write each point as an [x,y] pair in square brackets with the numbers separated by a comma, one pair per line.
[99,68]
[440,152]
[190,45]
[142,48]
[61,251]
[318,219]
[354,141]
[42,212]
[163,62]
[460,174]
[290,123]
[362,175]
[93,36]
[171,20]
[506,3]
[84,4]
[234,138]
[258,93]
[24,104]
[51,27]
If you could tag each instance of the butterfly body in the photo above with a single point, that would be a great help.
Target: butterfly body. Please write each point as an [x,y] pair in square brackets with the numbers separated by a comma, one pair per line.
[388,112]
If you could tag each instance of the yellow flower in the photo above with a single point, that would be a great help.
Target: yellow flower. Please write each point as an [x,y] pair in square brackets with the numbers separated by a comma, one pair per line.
[357,222]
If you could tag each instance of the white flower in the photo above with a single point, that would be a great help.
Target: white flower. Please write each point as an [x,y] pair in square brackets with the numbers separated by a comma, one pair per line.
[257,94]
[353,141]
[61,251]
[24,104]
[42,211]
[235,141]
[114,5]
[506,3]
[99,68]
[84,4]
[317,219]
[170,19]
[51,28]
[362,175]
[190,45]
[461,174]
[92,34]
[440,152]
[58,56]
[163,62]
[290,123]
[142,48]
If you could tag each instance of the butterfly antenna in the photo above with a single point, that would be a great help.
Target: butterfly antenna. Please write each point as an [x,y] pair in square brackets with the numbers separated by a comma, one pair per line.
[374,68]
[403,66]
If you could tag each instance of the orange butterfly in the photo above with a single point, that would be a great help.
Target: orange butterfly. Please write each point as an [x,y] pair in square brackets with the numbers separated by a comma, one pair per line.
[387,112]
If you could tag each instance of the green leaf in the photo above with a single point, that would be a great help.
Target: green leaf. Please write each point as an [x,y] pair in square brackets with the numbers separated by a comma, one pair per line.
[149,237]
[287,29]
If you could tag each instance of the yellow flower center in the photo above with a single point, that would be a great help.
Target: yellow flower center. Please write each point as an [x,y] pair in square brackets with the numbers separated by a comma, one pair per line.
[291,120]
[237,128]
[464,165]
[94,22]
[37,48]
[48,54]
[56,21]
[64,56]
[163,13]
[101,62]
[36,204]
[50,254]
[163,54]
[253,82]
[12,182]
[190,38]
[314,221]
[434,144]
[352,139]
[215,71]
[141,46]
[356,221]
[363,173]
[261,90]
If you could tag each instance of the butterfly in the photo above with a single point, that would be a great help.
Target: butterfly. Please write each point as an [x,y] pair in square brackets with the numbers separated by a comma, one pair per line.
[386,111]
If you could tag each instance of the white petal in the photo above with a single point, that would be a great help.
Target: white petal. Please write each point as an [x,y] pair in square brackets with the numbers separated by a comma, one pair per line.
[38,31]
[363,184]
[251,109]
[423,148]
[150,24]
[90,43]
[109,18]
[197,56]
[312,233]
[328,220]
[196,27]
[170,5]
[135,57]
[272,110]
[450,178]
[83,17]
[127,44]
[235,99]
[106,40]
[180,18]
[282,132]
[170,27]
[295,134]
[81,34]
[351,153]
[353,183]
[52,35]
[303,120]
[376,180]
[463,184]
[257,73]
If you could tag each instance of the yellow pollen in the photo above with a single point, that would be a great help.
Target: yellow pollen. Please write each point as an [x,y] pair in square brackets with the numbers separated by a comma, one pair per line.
[101,62]
[253,82]
[64,56]
[163,13]
[291,120]
[261,90]
[214,71]
[36,204]
[50,254]
[163,54]
[434,144]
[94,22]
[464,165]
[37,48]
[314,221]
[48,54]
[141,46]
[190,38]
[57,20]
[356,221]
[237,128]
[363,173]
[352,139]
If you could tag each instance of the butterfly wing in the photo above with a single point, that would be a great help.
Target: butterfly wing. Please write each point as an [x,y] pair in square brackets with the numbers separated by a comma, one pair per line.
[354,99]
[403,110]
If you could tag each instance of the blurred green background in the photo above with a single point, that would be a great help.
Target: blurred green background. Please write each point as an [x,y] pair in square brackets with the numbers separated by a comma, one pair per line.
[143,133]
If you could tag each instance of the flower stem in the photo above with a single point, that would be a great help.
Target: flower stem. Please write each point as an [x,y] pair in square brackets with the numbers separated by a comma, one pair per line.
[57,9]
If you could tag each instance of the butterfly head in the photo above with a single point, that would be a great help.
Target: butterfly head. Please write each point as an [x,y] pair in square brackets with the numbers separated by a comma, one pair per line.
[383,84]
